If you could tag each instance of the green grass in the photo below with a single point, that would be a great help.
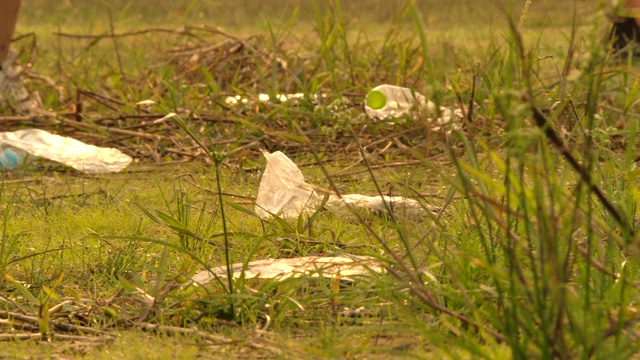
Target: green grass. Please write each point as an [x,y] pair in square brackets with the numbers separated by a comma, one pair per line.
[525,260]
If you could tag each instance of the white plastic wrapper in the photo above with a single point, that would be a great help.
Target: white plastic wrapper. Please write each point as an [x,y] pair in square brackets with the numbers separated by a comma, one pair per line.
[83,157]
[346,266]
[376,204]
[283,192]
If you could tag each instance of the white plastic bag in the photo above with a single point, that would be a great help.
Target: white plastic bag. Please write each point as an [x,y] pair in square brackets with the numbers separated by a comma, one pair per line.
[346,266]
[283,192]
[76,154]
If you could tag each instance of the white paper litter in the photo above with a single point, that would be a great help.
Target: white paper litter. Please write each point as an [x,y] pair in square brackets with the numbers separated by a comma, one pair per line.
[283,192]
[76,154]
[346,266]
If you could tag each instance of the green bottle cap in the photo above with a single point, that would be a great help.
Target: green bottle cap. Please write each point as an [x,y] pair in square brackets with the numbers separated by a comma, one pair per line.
[376,99]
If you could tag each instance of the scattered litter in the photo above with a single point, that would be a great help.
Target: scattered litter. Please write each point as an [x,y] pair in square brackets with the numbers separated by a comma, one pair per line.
[346,266]
[389,101]
[234,100]
[90,159]
[284,192]
[264,98]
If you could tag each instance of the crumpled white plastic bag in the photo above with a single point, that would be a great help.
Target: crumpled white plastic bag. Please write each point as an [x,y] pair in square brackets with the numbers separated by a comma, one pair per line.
[347,266]
[76,154]
[283,192]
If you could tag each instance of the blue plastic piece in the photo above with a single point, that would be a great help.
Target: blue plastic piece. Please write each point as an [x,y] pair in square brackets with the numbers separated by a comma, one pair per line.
[10,159]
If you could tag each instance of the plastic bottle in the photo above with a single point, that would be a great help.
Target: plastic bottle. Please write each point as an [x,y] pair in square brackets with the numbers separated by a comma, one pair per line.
[11,157]
[389,101]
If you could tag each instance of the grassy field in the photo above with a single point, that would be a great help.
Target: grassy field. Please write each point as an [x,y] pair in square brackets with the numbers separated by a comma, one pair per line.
[532,250]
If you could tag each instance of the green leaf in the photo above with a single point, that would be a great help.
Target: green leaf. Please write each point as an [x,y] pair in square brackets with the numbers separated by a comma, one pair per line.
[169,221]
[240,208]
[23,290]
